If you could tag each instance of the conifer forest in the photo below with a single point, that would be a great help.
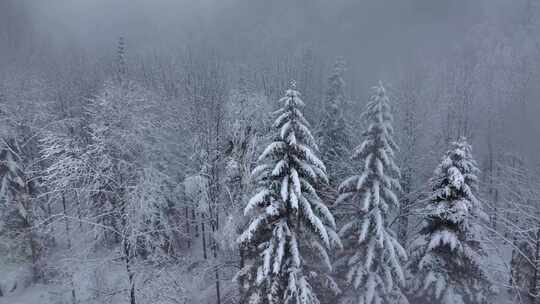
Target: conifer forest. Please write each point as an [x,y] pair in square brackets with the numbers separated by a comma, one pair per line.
[269,152]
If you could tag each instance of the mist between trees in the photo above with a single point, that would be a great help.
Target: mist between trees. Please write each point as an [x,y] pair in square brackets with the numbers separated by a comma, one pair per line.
[269,152]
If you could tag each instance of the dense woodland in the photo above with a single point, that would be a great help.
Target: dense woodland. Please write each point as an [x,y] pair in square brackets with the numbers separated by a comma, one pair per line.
[270,160]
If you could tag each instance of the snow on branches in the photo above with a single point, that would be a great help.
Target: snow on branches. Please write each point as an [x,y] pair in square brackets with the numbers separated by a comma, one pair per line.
[445,262]
[289,221]
[372,256]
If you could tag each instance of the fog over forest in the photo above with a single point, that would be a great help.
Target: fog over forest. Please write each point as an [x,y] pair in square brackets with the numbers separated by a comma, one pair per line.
[272,152]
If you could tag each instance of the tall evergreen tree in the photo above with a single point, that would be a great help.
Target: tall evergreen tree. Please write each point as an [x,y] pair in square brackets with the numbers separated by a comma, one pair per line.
[333,136]
[372,255]
[445,262]
[290,226]
[17,204]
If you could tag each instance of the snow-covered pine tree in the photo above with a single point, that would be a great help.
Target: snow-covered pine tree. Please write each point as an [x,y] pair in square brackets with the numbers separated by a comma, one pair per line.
[372,256]
[290,225]
[445,262]
[334,139]
[17,210]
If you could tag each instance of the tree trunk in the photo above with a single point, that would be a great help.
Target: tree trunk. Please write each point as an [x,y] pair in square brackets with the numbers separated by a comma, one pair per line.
[535,284]
[214,248]
[34,249]
[49,214]
[68,235]
[203,235]
[32,242]
[241,279]
[194,219]
[403,222]
[218,292]
[130,273]
[188,232]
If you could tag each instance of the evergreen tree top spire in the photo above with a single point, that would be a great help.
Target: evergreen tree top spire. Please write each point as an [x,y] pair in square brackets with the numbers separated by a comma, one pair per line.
[292,84]
[379,119]
[454,185]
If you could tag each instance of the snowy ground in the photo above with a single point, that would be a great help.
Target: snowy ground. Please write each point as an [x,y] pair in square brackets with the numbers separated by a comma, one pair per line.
[102,280]
[97,281]
[42,294]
